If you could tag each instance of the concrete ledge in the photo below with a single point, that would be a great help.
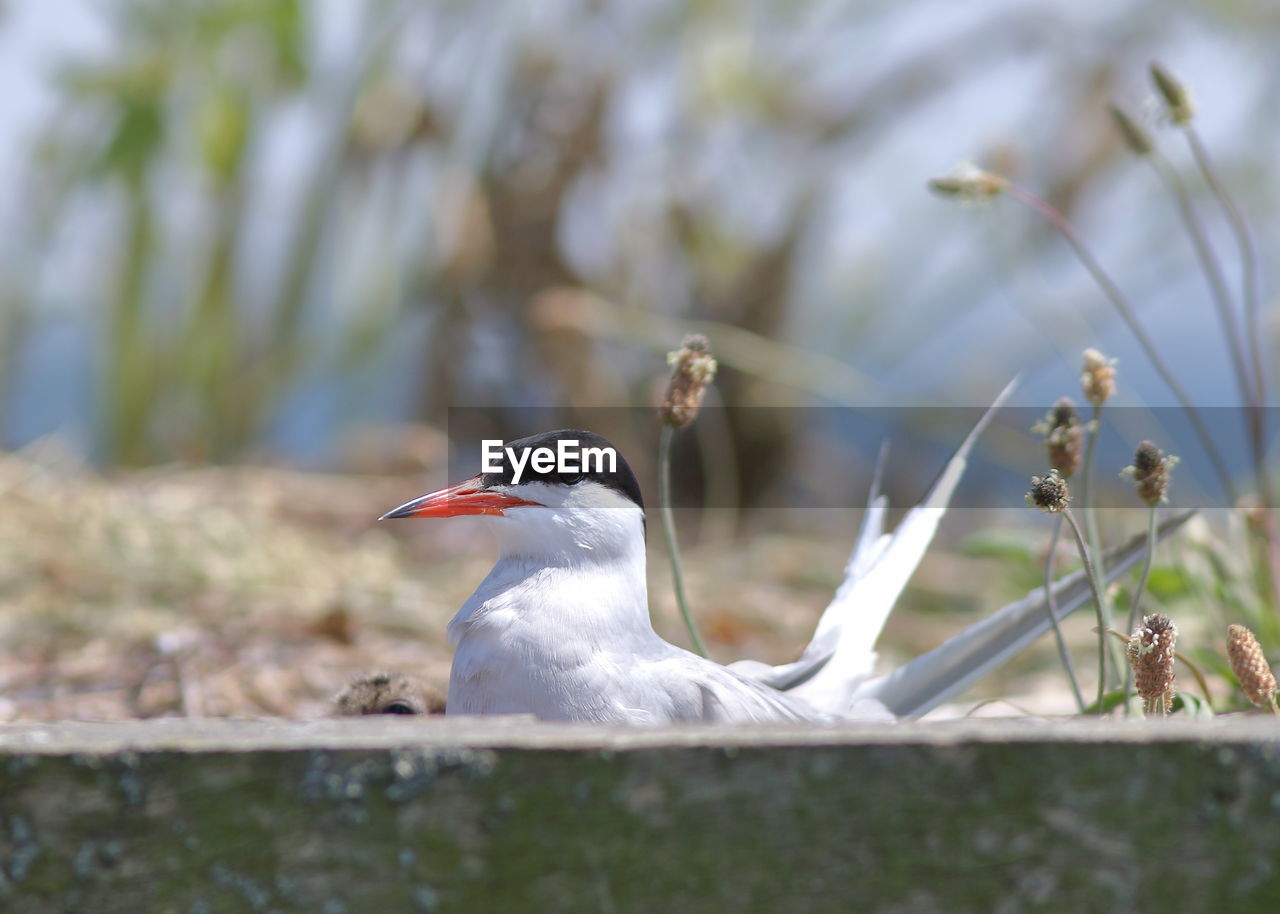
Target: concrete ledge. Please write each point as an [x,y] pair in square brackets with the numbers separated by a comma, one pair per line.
[367,816]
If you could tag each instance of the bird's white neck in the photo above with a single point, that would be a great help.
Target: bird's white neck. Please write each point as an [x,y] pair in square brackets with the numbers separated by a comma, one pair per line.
[578,574]
[557,627]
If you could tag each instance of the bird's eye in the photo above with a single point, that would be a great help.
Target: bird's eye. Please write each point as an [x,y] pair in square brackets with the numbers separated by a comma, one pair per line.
[399,707]
[570,478]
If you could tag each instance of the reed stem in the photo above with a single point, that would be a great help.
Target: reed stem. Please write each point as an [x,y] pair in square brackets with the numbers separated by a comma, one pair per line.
[1248,257]
[1121,304]
[1052,604]
[1091,575]
[1090,514]
[669,534]
[1253,333]
[1217,282]
[1137,597]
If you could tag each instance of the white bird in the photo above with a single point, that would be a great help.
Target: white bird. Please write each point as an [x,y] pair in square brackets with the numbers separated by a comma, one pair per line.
[560,627]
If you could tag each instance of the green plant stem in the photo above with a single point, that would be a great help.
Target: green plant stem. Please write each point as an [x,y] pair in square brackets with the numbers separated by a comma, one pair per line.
[1089,512]
[1247,368]
[1217,283]
[1052,605]
[719,469]
[1253,333]
[1091,575]
[669,533]
[1248,257]
[1137,597]
[1197,676]
[1026,712]
[1121,304]
[1146,569]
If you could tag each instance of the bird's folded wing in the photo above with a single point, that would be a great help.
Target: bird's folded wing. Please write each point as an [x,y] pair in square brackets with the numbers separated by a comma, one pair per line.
[930,679]
[707,692]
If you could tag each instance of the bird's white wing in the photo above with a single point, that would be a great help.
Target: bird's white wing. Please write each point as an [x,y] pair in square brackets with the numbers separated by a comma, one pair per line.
[842,651]
[867,550]
[700,690]
[930,679]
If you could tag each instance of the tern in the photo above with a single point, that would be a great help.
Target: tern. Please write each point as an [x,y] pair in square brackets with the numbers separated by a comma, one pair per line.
[560,628]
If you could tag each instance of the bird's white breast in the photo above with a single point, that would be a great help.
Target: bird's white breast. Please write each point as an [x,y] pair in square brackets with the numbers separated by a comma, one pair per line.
[563,642]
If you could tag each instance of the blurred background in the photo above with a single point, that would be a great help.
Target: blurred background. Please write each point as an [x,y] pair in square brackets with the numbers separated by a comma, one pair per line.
[297,234]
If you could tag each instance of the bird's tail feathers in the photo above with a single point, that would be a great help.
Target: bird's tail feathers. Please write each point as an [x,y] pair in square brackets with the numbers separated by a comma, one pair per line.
[842,653]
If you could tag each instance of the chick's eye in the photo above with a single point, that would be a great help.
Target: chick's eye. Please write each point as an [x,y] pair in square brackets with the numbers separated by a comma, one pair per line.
[570,478]
[399,707]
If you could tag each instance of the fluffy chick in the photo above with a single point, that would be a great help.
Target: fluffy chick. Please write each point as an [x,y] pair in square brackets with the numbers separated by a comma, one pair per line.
[388,693]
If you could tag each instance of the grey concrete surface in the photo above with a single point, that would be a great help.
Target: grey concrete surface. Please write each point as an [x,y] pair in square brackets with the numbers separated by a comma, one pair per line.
[357,816]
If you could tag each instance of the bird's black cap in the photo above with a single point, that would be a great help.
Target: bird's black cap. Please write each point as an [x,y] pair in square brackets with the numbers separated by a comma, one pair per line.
[613,474]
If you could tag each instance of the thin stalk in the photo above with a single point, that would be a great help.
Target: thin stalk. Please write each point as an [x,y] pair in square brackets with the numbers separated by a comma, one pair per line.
[1052,604]
[1197,676]
[1026,712]
[1137,597]
[1218,290]
[1089,511]
[1248,257]
[1253,333]
[719,468]
[1121,304]
[1146,569]
[669,534]
[1091,574]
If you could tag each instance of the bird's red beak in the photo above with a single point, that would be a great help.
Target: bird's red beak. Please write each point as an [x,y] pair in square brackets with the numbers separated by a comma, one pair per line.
[467,497]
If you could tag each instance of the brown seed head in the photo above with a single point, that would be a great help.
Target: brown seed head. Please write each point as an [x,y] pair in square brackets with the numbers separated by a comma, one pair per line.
[1063,413]
[1049,493]
[1150,472]
[1137,139]
[1150,652]
[1147,458]
[970,184]
[692,369]
[1257,681]
[1098,380]
[1177,100]
[1063,435]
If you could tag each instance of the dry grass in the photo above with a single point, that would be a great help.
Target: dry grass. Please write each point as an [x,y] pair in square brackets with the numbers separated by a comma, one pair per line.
[210,591]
